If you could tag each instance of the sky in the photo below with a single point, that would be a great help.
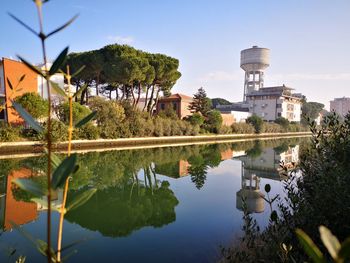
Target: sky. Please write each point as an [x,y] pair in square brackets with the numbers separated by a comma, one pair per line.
[309,40]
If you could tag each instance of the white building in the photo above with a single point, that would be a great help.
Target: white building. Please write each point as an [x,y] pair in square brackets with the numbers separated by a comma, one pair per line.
[340,105]
[271,103]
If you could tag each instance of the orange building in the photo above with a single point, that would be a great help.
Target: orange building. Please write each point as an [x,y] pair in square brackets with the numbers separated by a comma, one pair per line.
[13,71]
[178,102]
[19,212]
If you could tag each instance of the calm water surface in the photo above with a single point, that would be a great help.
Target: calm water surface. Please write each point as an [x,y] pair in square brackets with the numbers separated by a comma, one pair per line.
[174,204]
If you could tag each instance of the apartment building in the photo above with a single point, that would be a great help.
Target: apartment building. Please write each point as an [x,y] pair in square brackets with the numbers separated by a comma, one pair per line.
[340,105]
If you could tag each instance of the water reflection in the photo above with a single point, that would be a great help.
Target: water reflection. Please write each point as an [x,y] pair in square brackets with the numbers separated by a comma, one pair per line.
[133,189]
[257,163]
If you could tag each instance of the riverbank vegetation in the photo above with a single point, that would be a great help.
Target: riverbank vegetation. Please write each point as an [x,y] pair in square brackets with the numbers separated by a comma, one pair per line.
[319,197]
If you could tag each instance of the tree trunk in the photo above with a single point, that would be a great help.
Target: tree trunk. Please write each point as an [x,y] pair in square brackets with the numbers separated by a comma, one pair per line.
[97,83]
[155,102]
[149,106]
[147,89]
[139,95]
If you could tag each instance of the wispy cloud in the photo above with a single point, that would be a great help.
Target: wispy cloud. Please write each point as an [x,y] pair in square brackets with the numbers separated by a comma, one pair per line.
[222,76]
[121,39]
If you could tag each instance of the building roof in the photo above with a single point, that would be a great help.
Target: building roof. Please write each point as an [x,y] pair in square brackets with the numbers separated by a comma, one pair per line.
[233,107]
[276,91]
[177,96]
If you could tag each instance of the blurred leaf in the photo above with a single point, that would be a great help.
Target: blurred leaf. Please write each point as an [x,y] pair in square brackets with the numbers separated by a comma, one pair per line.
[309,246]
[330,241]
[30,186]
[63,26]
[78,71]
[267,188]
[43,203]
[344,252]
[55,160]
[27,117]
[57,89]
[80,90]
[57,64]
[274,216]
[22,78]
[86,119]
[9,83]
[32,67]
[23,24]
[62,172]
[80,199]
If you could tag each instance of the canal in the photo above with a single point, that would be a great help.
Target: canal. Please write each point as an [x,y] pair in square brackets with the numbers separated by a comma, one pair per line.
[169,204]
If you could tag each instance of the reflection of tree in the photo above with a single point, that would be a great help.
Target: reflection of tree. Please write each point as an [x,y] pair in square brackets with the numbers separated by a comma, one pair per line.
[118,211]
[198,170]
[256,151]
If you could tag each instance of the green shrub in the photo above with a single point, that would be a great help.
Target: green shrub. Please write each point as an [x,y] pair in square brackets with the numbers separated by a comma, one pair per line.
[9,133]
[158,127]
[283,122]
[257,123]
[269,127]
[196,119]
[78,112]
[59,131]
[34,104]
[213,121]
[242,128]
[87,132]
[225,130]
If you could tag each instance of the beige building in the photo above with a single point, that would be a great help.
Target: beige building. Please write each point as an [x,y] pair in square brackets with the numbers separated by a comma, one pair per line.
[340,105]
[271,103]
[178,102]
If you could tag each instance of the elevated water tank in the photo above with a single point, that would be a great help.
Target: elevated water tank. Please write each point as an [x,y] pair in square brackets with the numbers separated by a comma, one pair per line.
[254,61]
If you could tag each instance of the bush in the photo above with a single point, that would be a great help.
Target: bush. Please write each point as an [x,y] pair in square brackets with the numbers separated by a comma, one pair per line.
[213,121]
[78,111]
[257,123]
[34,104]
[242,128]
[269,127]
[283,122]
[9,133]
[225,130]
[196,119]
[59,131]
[87,132]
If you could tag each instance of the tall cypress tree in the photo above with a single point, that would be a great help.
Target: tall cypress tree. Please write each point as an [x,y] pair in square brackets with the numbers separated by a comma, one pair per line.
[201,103]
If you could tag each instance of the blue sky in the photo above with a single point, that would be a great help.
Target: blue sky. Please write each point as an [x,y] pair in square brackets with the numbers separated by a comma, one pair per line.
[309,39]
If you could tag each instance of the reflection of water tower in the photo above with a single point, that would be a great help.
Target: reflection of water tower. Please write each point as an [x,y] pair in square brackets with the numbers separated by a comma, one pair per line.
[250,193]
[254,61]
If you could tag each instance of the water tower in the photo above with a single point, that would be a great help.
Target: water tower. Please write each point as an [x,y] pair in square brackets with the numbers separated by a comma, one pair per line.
[254,61]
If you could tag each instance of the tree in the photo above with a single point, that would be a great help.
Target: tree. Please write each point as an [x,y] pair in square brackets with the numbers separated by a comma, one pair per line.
[310,110]
[79,112]
[201,103]
[33,104]
[283,122]
[257,123]
[219,101]
[213,121]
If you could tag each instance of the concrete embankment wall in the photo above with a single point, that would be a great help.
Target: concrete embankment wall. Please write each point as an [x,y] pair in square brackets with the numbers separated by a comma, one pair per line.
[8,148]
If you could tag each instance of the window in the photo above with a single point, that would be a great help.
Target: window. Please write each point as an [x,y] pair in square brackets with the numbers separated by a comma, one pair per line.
[174,106]
[279,114]
[278,105]
[162,106]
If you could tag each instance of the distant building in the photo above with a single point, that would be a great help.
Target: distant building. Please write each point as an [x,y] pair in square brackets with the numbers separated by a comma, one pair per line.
[340,105]
[13,70]
[271,103]
[238,111]
[178,102]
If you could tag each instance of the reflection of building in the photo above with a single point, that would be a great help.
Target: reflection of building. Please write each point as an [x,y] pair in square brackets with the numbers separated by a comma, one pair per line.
[13,210]
[178,102]
[266,165]
[175,169]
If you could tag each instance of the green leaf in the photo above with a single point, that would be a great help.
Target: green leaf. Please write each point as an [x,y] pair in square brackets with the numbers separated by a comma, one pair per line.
[330,241]
[344,252]
[63,26]
[80,199]
[32,67]
[57,64]
[43,203]
[267,188]
[9,83]
[27,117]
[58,89]
[309,246]
[30,186]
[23,24]
[86,119]
[55,160]
[78,71]
[62,172]
[80,90]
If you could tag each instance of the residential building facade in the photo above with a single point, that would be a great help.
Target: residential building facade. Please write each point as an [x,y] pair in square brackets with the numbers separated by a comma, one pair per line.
[340,105]
[178,102]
